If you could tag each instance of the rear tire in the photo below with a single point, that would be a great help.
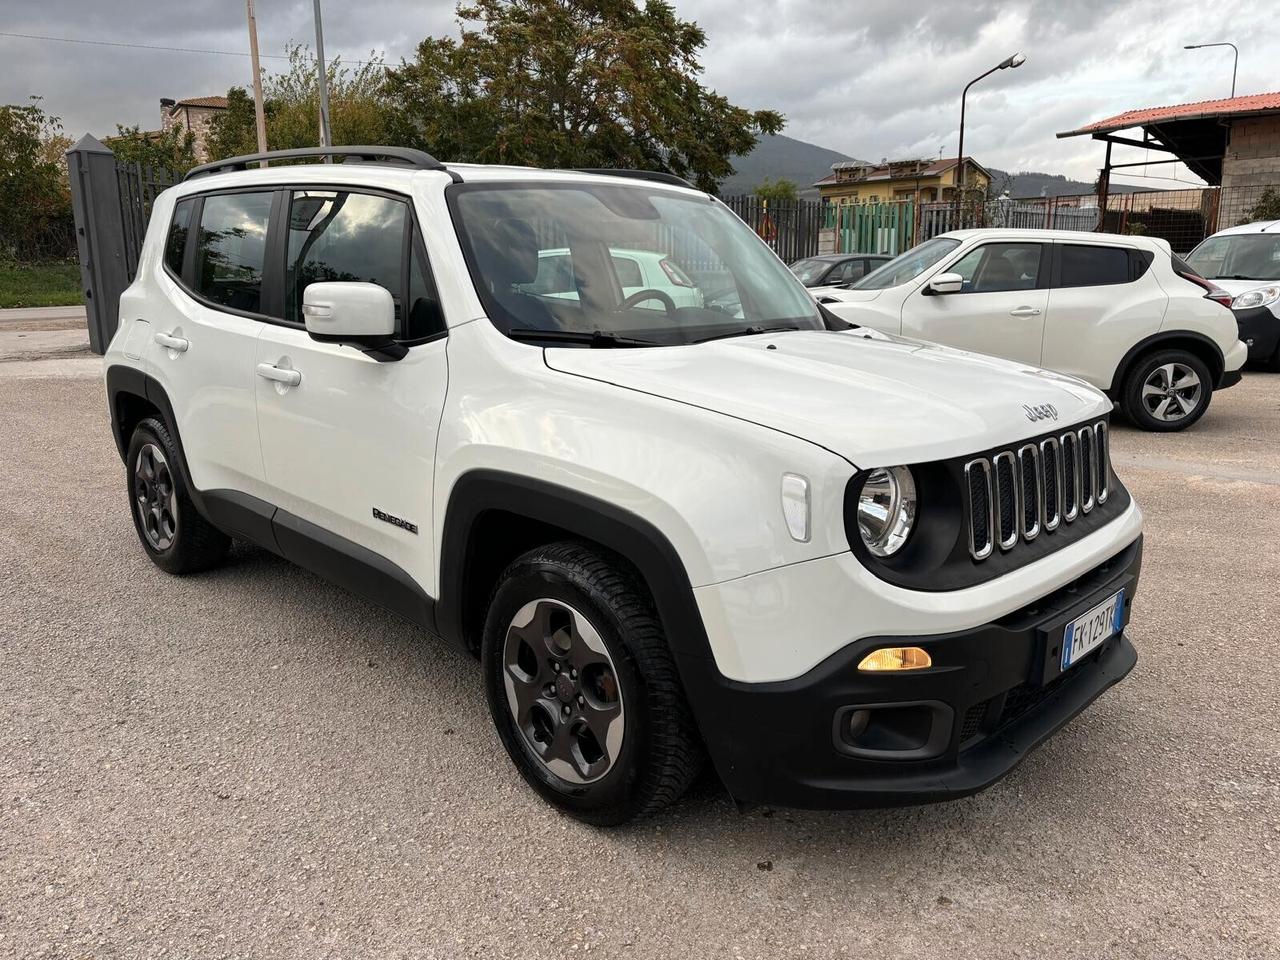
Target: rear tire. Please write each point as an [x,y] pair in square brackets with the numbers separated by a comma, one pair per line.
[1167,390]
[583,688]
[173,533]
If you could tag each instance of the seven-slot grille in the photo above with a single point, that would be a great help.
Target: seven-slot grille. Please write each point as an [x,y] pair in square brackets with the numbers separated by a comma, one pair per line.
[1015,494]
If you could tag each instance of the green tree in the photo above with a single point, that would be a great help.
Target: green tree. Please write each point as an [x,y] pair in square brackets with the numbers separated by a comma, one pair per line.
[779,189]
[1267,207]
[174,149]
[359,110]
[573,83]
[35,199]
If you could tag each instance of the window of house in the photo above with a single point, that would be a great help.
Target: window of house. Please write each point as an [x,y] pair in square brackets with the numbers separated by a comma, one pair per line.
[232,248]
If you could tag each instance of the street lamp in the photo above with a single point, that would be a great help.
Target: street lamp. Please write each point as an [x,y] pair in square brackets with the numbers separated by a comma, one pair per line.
[1016,60]
[1234,63]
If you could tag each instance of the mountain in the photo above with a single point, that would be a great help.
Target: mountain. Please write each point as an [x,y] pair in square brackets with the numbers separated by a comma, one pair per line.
[780,156]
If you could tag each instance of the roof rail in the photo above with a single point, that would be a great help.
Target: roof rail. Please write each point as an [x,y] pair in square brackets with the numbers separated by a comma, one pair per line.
[402,155]
[657,176]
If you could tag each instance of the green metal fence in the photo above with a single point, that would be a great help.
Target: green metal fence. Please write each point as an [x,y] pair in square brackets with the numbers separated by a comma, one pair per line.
[873,227]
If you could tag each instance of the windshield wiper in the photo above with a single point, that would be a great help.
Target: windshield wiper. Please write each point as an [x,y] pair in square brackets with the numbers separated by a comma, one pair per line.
[596,338]
[750,331]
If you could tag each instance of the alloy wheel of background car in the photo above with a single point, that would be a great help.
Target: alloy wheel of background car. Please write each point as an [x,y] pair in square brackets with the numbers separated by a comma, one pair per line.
[562,690]
[154,497]
[1172,391]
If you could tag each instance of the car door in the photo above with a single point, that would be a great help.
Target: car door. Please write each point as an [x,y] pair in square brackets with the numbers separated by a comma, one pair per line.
[1103,299]
[350,447]
[1001,308]
[204,326]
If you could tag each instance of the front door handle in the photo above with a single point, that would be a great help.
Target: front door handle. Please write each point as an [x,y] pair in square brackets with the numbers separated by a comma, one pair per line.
[269,371]
[177,344]
[1024,312]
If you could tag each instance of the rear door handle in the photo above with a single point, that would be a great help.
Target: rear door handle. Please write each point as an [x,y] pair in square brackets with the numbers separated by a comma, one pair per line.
[173,343]
[1024,312]
[269,371]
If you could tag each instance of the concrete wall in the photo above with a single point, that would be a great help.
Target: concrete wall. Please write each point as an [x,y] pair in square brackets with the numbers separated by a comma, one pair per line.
[1253,153]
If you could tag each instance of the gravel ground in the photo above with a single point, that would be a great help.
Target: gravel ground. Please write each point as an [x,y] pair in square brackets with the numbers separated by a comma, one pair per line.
[253,763]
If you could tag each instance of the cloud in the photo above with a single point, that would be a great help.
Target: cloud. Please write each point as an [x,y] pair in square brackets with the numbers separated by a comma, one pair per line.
[877,78]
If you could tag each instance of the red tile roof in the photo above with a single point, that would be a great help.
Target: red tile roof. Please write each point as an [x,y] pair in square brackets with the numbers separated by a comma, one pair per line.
[216,102]
[880,171]
[1231,106]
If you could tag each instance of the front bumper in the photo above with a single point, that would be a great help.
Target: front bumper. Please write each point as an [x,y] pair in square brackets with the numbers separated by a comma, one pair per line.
[993,694]
[1260,329]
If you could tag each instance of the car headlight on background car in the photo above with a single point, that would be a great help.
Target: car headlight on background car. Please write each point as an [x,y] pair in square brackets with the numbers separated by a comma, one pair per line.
[887,510]
[1262,297]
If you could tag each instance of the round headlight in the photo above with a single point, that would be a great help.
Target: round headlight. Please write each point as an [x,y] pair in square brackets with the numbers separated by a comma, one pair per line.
[887,510]
[1262,297]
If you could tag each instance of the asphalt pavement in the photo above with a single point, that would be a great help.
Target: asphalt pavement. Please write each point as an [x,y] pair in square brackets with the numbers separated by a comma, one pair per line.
[252,763]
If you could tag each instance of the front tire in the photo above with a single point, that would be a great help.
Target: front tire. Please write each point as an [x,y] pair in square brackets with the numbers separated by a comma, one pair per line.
[583,688]
[1167,390]
[174,534]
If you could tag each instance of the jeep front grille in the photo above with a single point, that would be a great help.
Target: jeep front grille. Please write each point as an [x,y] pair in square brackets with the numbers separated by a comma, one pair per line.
[1016,494]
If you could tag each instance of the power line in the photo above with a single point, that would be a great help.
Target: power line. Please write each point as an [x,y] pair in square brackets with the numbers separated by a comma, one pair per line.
[152,46]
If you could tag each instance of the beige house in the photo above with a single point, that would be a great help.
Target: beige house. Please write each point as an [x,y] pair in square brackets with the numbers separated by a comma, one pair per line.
[193,114]
[924,181]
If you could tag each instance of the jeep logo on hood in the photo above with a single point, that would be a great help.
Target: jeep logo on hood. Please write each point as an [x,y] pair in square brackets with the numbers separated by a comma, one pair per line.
[1041,411]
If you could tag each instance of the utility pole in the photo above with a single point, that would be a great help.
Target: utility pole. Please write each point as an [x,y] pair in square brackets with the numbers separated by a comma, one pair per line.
[257,81]
[322,78]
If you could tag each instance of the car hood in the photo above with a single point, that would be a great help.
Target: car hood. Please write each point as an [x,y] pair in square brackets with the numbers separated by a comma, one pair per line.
[844,294]
[874,399]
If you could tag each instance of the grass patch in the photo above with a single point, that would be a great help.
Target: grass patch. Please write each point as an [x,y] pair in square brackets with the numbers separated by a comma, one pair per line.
[51,284]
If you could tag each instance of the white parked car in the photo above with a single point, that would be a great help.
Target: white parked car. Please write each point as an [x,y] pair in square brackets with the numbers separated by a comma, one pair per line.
[1245,261]
[1119,312]
[650,271]
[847,568]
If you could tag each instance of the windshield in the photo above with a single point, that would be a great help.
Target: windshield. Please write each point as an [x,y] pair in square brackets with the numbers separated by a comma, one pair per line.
[809,272]
[907,266]
[621,265]
[1240,256]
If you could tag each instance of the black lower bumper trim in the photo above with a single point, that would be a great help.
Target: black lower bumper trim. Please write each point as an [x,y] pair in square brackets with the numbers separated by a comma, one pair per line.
[1260,329]
[997,690]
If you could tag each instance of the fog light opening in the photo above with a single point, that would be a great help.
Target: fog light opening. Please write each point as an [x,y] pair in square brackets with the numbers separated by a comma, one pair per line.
[895,659]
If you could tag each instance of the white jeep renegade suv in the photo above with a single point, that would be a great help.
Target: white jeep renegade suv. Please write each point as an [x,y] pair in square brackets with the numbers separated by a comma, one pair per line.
[847,568]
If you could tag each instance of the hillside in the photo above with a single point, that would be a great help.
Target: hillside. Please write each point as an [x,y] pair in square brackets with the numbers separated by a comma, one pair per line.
[781,156]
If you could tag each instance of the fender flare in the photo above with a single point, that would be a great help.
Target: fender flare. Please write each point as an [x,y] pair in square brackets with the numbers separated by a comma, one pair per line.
[1154,341]
[124,380]
[642,544]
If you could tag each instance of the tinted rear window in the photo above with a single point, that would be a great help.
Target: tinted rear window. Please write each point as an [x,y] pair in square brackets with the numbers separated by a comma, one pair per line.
[175,246]
[1088,266]
[232,249]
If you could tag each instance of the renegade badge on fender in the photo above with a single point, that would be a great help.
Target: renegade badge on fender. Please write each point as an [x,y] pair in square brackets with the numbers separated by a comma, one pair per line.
[681,519]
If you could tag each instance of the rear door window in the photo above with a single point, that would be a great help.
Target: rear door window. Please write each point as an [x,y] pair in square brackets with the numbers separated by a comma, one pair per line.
[175,246]
[1084,265]
[231,249]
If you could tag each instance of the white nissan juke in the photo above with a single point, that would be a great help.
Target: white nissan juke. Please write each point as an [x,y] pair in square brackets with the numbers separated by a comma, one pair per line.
[1120,312]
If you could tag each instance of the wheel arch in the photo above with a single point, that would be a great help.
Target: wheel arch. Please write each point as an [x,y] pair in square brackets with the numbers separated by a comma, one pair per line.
[1194,343]
[132,396]
[493,517]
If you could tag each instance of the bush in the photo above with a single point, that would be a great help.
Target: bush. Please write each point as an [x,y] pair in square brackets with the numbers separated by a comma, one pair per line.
[35,197]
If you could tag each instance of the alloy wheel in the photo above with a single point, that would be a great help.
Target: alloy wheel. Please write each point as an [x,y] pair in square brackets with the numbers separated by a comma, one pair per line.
[563,691]
[155,497]
[1171,392]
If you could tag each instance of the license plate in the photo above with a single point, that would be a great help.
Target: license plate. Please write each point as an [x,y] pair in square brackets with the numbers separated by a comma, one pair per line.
[1085,634]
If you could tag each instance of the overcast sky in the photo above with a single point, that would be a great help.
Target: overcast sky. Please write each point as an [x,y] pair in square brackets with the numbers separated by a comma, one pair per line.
[873,79]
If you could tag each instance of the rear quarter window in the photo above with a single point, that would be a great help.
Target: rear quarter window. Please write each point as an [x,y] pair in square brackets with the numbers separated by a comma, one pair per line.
[1085,265]
[175,245]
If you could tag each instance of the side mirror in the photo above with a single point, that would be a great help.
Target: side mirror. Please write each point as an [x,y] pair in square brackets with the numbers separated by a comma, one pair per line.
[362,315]
[945,283]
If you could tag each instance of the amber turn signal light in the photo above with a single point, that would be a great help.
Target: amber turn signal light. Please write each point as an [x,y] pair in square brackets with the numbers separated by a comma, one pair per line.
[895,658]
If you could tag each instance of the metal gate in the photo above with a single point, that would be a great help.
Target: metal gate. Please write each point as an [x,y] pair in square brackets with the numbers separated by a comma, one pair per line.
[111,202]
[790,227]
